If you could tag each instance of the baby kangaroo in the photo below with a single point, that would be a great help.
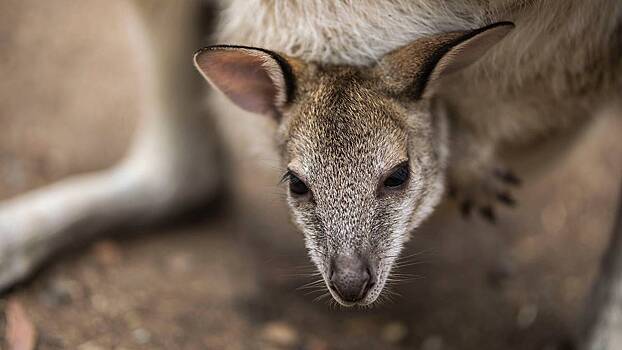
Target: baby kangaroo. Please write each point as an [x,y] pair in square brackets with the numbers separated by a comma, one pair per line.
[365,148]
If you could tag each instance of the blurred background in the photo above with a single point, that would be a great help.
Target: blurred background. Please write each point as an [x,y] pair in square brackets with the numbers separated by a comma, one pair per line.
[230,277]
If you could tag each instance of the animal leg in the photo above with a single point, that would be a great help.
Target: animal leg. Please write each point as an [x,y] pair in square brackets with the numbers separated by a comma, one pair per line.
[171,166]
[477,179]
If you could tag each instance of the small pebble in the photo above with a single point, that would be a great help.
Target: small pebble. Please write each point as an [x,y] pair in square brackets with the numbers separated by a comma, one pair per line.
[100,303]
[394,332]
[90,346]
[132,319]
[279,333]
[433,342]
[526,316]
[107,253]
[180,263]
[141,336]
[358,327]
[58,292]
[316,344]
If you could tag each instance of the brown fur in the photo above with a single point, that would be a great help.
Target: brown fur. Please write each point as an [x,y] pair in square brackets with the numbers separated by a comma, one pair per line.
[345,130]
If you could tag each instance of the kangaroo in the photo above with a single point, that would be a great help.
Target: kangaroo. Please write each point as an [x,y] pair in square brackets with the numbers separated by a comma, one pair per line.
[377,107]
[365,148]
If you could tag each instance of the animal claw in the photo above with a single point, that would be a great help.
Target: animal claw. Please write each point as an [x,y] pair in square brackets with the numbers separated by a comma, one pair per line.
[508,177]
[488,213]
[482,198]
[465,208]
[452,192]
[506,198]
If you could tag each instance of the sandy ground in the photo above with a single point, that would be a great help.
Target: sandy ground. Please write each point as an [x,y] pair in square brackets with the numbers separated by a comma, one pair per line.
[228,278]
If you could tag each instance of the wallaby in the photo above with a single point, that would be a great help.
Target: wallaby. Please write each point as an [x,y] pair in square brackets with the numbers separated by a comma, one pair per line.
[378,105]
[364,148]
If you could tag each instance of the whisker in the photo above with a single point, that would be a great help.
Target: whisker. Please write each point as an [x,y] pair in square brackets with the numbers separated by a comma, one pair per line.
[322,290]
[310,285]
[320,297]
[411,263]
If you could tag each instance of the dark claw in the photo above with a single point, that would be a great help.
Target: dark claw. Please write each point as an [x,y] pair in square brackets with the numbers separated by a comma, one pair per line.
[488,213]
[508,177]
[452,192]
[506,199]
[465,208]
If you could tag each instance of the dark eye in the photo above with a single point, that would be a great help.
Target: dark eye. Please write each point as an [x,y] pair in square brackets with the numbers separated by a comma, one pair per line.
[297,186]
[398,177]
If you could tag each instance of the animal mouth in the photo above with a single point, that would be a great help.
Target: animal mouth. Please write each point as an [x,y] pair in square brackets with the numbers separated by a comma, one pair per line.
[349,301]
[369,292]
[364,299]
[351,279]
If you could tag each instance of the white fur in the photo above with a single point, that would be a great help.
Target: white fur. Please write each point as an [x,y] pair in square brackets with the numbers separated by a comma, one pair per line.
[340,32]
[544,43]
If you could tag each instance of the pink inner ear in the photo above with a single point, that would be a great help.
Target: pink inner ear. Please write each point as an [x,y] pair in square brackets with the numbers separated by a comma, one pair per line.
[242,77]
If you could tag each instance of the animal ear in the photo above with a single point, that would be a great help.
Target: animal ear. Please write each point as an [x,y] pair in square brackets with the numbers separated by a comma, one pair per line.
[414,70]
[256,80]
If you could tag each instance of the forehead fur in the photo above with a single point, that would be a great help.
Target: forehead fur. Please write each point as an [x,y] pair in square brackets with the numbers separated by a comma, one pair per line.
[343,119]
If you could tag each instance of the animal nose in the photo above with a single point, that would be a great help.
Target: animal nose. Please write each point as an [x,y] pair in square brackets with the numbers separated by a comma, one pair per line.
[351,278]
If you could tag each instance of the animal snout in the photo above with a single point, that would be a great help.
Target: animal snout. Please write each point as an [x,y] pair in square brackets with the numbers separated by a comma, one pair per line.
[351,277]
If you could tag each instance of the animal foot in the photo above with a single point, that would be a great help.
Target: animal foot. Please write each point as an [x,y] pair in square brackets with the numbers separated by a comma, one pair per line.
[493,188]
[19,255]
[14,267]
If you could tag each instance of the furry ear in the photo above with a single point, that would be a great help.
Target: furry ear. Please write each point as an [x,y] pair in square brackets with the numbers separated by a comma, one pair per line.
[257,80]
[413,70]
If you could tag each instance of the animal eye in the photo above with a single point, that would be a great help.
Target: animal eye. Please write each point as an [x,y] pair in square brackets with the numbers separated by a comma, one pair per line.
[398,177]
[297,186]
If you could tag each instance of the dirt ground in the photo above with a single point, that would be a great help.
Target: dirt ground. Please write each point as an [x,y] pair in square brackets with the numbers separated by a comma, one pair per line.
[230,277]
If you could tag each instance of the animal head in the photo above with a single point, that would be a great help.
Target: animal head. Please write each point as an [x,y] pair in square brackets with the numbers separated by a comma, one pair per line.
[363,149]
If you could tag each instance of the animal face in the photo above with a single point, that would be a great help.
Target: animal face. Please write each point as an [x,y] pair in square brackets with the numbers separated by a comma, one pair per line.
[363,148]
[363,168]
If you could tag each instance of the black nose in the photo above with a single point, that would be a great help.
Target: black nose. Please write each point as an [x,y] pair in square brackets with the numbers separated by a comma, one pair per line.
[351,278]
